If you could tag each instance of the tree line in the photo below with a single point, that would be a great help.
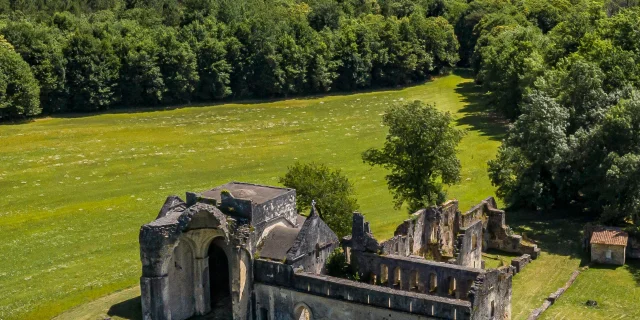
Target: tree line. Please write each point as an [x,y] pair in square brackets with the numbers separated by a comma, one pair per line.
[566,73]
[83,56]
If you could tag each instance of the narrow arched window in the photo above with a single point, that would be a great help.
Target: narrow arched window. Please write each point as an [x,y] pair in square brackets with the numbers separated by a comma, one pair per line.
[302,313]
[398,276]
[452,286]
[384,274]
[414,280]
[433,283]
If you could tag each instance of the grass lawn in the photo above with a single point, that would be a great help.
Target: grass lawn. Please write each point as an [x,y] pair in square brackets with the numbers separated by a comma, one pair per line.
[75,190]
[615,289]
[558,234]
[494,259]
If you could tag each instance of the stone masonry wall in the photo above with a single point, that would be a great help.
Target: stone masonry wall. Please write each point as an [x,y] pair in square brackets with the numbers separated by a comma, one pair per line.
[279,290]
[417,275]
[491,295]
[283,206]
[599,253]
[469,246]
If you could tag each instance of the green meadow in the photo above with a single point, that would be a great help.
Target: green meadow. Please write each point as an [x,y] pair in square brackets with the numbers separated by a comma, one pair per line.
[77,189]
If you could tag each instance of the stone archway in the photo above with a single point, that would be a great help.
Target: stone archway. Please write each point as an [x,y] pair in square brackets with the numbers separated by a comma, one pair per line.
[219,282]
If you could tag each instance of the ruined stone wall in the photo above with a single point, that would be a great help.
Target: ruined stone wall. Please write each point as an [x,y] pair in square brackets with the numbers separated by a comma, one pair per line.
[469,246]
[408,237]
[283,206]
[286,304]
[448,228]
[174,255]
[417,275]
[279,291]
[599,253]
[491,295]
[313,245]
[497,234]
[182,284]
[429,233]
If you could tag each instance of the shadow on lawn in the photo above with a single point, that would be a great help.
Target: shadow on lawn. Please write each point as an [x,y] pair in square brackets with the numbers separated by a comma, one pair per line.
[556,232]
[633,265]
[129,309]
[478,114]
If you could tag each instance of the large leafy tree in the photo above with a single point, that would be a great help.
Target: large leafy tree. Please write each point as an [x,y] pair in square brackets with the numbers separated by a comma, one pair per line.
[511,62]
[420,152]
[322,68]
[357,49]
[140,79]
[209,40]
[92,72]
[523,169]
[332,191]
[41,47]
[610,156]
[19,91]
[178,65]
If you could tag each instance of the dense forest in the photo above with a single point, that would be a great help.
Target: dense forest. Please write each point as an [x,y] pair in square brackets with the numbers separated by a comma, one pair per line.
[75,56]
[565,73]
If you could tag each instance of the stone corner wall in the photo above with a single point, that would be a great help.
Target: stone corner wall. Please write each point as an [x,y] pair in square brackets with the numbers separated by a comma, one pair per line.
[599,254]
[468,248]
[491,295]
[499,236]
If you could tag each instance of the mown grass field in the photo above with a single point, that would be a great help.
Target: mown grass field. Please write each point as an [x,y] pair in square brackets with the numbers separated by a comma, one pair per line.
[615,289]
[76,190]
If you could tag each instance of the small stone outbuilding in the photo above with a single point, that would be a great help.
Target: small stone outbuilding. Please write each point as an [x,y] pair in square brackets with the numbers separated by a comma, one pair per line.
[608,245]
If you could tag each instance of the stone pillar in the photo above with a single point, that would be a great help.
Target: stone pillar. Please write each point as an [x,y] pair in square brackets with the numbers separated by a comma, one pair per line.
[155,298]
[358,230]
[201,285]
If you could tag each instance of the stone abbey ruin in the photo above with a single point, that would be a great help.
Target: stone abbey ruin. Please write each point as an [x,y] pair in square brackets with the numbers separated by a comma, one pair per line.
[241,251]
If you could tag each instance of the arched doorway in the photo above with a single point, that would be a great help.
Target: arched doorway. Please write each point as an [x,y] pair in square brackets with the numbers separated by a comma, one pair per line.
[302,312]
[220,292]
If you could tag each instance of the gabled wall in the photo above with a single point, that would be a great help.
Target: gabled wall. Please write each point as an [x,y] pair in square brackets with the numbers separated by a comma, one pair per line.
[313,245]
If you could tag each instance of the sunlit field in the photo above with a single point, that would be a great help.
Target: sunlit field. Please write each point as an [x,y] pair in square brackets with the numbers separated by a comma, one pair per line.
[76,190]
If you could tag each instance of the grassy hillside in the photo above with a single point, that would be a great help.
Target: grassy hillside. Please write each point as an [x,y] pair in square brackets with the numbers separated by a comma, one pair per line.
[77,189]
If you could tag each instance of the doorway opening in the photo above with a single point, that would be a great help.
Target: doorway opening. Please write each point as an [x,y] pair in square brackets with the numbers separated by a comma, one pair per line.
[220,291]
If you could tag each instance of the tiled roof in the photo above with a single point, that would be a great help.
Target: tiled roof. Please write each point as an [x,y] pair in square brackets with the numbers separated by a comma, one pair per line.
[610,236]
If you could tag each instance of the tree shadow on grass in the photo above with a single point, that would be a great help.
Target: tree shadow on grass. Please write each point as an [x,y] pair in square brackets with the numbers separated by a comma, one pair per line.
[478,114]
[556,232]
[129,309]
[633,265]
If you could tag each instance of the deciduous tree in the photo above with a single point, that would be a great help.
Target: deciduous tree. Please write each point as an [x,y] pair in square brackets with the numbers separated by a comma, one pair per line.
[332,191]
[420,152]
